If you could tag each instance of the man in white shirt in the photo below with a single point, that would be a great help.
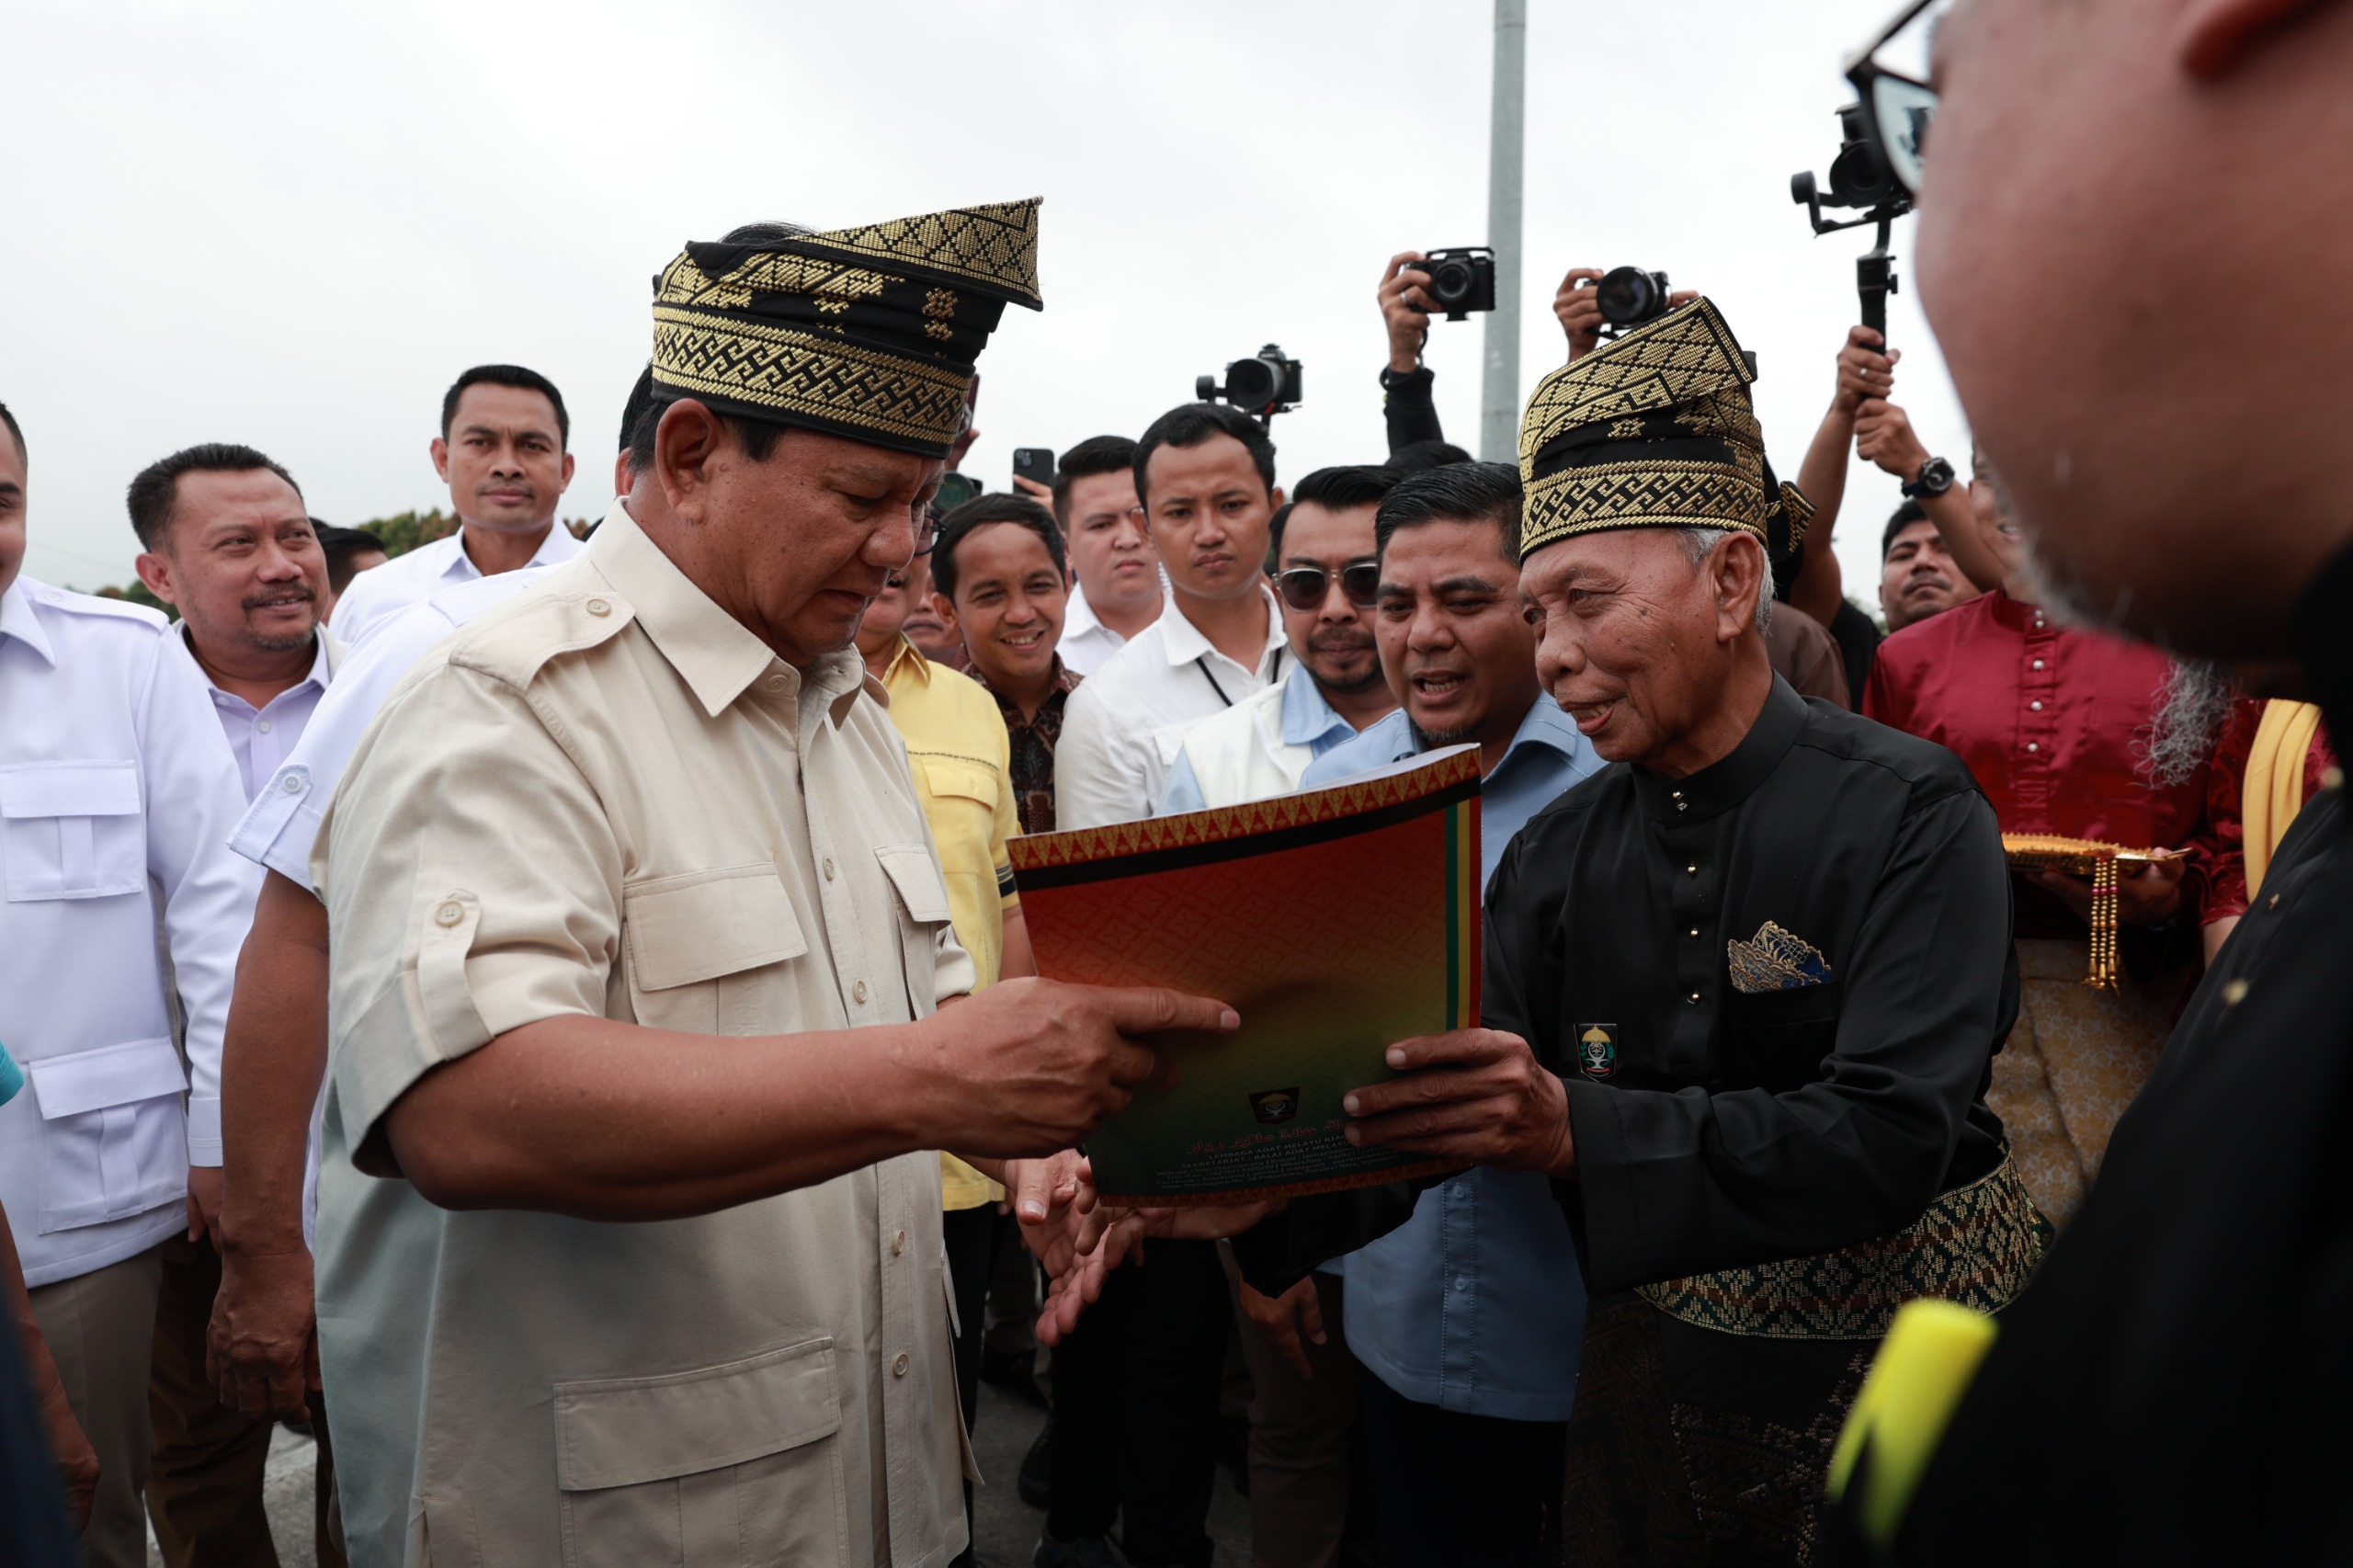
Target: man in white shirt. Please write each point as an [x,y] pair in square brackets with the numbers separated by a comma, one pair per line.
[1327,580]
[505,452]
[1120,589]
[225,541]
[116,793]
[1205,474]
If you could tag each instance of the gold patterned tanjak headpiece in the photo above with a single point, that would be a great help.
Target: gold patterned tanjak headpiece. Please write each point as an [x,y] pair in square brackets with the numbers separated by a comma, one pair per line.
[1653,430]
[868,332]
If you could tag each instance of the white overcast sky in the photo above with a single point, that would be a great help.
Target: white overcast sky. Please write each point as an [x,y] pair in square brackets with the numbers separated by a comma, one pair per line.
[291,224]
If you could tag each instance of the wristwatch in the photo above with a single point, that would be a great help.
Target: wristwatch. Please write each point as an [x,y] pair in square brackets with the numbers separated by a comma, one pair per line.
[1934,478]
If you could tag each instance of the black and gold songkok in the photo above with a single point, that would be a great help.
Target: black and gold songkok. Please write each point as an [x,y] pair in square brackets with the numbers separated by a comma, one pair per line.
[1653,430]
[869,332]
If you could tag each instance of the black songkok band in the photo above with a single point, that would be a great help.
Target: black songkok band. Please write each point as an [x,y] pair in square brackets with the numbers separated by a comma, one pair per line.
[869,332]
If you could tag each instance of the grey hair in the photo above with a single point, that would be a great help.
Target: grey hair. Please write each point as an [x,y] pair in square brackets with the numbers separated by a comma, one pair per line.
[2191,711]
[1701,543]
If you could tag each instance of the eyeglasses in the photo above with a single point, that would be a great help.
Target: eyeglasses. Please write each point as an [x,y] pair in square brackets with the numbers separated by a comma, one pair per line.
[1306,588]
[1898,104]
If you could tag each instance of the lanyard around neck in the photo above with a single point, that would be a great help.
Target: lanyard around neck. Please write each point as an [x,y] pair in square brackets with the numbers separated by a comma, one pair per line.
[1201,663]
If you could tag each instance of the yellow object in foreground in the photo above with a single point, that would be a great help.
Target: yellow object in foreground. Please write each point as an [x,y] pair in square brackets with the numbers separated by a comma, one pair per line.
[1923,1367]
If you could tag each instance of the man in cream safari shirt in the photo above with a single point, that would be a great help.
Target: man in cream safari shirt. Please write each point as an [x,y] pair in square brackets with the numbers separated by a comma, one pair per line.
[629,1229]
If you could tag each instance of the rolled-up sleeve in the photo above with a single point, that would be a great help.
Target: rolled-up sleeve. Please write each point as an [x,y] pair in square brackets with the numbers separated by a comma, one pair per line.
[472,884]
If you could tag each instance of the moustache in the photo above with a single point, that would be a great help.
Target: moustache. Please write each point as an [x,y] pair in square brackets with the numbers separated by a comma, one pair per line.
[299,591]
[1338,642]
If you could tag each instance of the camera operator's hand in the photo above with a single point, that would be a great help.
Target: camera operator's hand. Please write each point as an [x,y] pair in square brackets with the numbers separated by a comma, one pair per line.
[1405,306]
[1864,372]
[1576,304]
[1578,309]
[1883,436]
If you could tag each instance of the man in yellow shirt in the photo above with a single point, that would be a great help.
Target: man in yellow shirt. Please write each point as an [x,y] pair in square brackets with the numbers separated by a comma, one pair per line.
[960,754]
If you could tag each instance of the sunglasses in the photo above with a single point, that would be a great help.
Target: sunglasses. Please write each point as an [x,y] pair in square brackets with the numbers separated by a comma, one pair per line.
[1899,105]
[1306,588]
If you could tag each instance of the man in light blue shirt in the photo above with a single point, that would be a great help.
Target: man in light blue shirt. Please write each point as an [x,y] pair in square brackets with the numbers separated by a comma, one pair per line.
[1469,1318]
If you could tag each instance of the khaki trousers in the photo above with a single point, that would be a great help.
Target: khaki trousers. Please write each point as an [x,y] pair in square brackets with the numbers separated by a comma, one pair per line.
[204,1476]
[101,1332]
[1305,1454]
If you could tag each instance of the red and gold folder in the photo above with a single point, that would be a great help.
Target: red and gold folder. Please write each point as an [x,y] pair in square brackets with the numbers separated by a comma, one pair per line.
[1336,922]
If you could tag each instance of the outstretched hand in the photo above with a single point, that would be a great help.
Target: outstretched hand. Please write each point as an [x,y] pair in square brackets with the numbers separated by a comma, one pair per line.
[1100,1237]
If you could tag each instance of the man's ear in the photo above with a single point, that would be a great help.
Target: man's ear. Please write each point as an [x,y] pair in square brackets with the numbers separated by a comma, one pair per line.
[155,571]
[686,441]
[1742,577]
[945,608]
[440,450]
[568,462]
[2213,36]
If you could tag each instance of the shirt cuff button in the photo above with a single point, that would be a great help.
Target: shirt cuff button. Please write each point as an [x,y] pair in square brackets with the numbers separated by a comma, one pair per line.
[450,914]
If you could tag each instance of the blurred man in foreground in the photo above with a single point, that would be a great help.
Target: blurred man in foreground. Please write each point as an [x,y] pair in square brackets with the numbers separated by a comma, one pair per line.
[2172,1389]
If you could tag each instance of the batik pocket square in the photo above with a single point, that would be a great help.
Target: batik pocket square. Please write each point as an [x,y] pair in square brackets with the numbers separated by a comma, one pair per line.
[1773,959]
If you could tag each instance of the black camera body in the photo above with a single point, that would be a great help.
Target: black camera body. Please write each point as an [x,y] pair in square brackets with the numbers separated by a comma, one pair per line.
[1858,178]
[1628,297]
[1461,279]
[1262,386]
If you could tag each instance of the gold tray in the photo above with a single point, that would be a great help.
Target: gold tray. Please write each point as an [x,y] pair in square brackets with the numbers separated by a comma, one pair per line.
[2095,860]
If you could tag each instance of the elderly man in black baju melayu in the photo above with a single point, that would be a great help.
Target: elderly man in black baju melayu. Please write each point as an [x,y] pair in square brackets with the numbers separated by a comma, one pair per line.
[1742,988]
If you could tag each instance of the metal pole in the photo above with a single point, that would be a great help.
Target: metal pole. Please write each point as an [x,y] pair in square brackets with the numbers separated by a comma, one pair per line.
[1499,395]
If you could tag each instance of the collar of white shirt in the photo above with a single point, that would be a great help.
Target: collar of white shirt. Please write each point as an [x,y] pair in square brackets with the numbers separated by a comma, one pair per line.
[18,619]
[554,551]
[1182,643]
[324,653]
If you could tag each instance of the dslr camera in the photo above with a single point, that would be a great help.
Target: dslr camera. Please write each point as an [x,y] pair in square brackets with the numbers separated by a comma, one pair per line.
[1461,279]
[1859,178]
[1628,297]
[1262,386]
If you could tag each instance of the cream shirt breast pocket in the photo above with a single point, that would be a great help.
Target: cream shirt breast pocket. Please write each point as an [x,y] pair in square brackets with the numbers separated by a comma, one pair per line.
[725,1466]
[72,829]
[692,942]
[924,913]
[113,1144]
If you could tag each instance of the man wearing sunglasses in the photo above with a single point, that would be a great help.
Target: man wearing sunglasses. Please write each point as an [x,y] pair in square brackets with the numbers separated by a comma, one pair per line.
[2172,1386]
[1325,577]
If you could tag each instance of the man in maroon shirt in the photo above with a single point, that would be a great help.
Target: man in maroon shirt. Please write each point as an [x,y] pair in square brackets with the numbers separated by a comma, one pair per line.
[2055,722]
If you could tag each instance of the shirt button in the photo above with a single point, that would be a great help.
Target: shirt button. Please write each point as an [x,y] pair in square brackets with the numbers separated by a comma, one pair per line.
[263,725]
[829,868]
[2038,664]
[2234,993]
[1462,1282]
[1695,930]
[1693,997]
[899,1365]
[451,913]
[776,682]
[857,992]
[898,1242]
[2036,705]
[600,606]
[2274,903]
[2031,746]
[1691,871]
[1457,1190]
[2331,776]
[293,785]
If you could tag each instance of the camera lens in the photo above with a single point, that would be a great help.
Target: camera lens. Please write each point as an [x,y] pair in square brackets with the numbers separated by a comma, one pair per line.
[1451,281]
[1626,295]
[1249,384]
